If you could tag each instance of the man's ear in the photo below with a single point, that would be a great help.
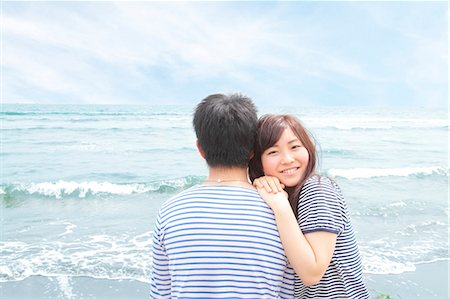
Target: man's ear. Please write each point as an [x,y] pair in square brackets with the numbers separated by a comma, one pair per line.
[200,150]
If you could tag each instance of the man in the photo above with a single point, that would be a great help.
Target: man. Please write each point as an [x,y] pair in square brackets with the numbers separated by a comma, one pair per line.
[219,239]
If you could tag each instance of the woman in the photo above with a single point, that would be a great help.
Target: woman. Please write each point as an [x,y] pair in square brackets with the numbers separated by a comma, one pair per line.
[321,246]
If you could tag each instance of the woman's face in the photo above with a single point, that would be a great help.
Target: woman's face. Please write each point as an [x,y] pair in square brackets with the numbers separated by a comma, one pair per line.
[287,159]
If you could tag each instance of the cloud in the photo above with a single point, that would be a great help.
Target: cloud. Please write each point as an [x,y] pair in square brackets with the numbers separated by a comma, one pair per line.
[62,51]
[141,52]
[421,61]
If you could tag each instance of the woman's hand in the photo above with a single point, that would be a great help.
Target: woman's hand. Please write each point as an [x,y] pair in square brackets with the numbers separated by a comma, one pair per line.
[272,191]
[270,183]
[309,254]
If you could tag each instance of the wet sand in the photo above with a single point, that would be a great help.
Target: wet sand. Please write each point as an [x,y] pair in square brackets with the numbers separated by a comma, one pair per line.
[428,281]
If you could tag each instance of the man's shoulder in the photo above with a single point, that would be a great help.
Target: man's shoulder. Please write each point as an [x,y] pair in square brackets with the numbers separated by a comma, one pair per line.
[206,192]
[180,196]
[225,201]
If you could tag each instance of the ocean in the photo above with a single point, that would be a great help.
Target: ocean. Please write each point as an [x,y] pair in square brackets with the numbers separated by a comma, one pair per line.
[81,186]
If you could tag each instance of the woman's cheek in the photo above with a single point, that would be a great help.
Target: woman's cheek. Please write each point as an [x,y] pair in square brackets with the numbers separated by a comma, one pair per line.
[269,166]
[305,156]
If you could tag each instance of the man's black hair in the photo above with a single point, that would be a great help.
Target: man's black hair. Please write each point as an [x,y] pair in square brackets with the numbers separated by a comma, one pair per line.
[225,126]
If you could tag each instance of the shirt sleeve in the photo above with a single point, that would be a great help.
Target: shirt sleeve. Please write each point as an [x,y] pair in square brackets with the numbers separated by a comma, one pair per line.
[321,207]
[160,285]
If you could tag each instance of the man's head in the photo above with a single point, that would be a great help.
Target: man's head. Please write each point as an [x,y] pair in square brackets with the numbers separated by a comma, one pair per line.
[225,126]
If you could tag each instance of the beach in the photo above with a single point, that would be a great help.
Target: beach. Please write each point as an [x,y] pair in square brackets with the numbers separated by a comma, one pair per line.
[422,283]
[82,186]
[427,281]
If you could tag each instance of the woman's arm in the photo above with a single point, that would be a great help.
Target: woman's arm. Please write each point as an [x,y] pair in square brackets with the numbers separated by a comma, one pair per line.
[308,254]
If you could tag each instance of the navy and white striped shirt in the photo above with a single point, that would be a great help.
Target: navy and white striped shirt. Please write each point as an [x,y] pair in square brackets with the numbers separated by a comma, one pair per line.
[322,208]
[218,242]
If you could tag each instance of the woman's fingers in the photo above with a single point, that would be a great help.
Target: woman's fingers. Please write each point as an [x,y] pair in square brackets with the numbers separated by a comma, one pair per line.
[276,185]
[273,184]
[266,185]
[269,183]
[261,183]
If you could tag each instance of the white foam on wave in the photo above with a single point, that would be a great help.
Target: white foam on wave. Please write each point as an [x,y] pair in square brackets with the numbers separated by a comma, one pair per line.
[402,252]
[129,257]
[376,264]
[426,227]
[65,286]
[350,123]
[98,256]
[62,188]
[366,173]
[359,126]
[397,204]
[68,227]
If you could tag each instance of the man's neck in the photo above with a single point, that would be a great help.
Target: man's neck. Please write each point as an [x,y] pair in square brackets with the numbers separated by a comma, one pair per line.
[228,176]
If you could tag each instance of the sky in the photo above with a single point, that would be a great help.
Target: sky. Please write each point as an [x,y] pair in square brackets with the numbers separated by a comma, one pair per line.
[330,53]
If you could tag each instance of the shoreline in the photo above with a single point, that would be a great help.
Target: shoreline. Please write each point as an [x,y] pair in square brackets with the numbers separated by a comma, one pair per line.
[429,280]
[66,287]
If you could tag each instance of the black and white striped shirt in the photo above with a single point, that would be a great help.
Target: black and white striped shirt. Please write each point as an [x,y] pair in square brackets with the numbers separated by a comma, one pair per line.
[322,208]
[218,242]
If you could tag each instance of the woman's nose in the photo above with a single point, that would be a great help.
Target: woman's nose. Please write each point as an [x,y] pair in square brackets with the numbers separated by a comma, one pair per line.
[287,158]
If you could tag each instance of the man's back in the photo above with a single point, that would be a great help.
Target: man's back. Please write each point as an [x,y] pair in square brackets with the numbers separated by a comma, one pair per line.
[218,242]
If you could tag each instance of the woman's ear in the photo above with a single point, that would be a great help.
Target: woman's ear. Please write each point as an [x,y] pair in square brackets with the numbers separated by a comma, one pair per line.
[252,154]
[200,150]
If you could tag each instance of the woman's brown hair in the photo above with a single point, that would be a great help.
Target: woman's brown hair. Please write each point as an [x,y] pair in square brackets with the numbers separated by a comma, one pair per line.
[270,129]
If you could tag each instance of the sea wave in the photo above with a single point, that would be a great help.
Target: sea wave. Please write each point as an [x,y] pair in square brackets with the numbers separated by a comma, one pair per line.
[338,152]
[390,257]
[365,173]
[372,127]
[98,256]
[128,257]
[63,189]
[141,112]
[381,123]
